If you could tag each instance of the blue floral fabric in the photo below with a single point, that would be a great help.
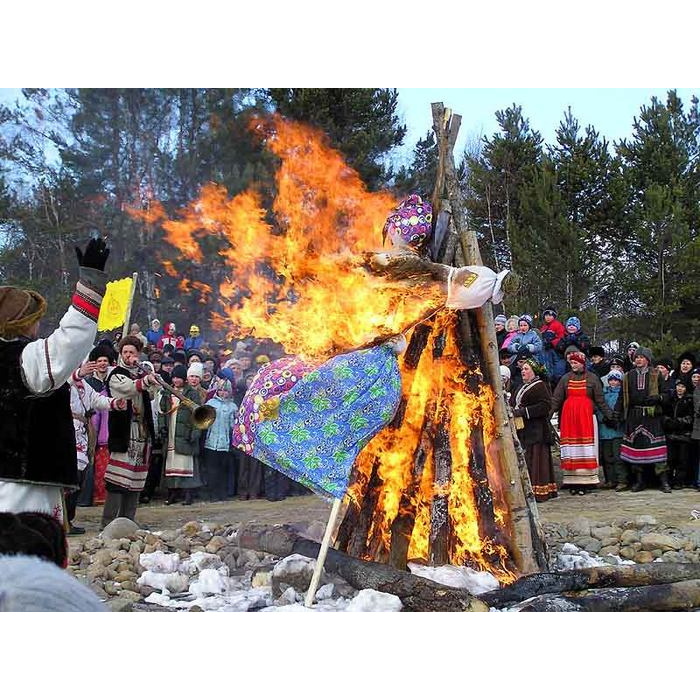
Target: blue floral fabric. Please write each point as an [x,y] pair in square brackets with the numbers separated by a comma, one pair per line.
[328,416]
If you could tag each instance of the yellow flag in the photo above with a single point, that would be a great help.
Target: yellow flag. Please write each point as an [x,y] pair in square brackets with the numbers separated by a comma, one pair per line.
[114,305]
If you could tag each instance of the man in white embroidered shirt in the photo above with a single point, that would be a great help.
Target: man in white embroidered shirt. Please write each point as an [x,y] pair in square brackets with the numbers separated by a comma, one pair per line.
[37,441]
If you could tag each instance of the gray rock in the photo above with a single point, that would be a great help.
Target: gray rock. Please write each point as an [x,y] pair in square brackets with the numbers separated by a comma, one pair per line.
[181,543]
[215,544]
[288,597]
[611,549]
[656,540]
[629,536]
[121,527]
[168,535]
[120,604]
[248,558]
[601,533]
[590,544]
[628,552]
[294,570]
[610,541]
[643,557]
[325,592]
[580,527]
[190,529]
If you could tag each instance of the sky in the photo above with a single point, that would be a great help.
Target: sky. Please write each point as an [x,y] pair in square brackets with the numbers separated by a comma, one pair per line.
[610,110]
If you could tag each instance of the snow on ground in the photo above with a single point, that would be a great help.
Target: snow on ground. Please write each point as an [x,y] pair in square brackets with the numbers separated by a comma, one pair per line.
[203,580]
[457,576]
[572,557]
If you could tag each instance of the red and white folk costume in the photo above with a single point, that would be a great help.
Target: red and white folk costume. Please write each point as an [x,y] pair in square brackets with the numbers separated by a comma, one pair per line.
[38,456]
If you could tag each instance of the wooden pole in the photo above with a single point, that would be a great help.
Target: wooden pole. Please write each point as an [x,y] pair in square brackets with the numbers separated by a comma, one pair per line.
[524,520]
[313,586]
[127,318]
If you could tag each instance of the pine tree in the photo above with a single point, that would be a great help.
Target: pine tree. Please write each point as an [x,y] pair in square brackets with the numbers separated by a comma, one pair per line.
[361,122]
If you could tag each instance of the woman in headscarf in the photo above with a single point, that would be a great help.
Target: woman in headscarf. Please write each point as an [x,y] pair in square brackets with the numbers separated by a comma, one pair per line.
[574,398]
[684,371]
[531,405]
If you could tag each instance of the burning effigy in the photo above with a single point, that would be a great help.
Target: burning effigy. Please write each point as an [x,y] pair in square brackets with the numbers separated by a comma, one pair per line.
[412,438]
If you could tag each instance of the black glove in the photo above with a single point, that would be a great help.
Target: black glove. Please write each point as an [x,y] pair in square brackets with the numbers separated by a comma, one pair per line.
[95,255]
[610,423]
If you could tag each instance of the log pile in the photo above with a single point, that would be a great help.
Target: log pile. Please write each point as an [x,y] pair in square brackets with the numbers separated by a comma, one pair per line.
[512,542]
[642,587]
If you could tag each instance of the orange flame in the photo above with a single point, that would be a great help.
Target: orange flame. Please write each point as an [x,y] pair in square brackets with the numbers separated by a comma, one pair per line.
[300,280]
[294,275]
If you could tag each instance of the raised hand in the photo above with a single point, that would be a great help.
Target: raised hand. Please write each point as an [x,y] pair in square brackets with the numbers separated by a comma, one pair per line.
[95,255]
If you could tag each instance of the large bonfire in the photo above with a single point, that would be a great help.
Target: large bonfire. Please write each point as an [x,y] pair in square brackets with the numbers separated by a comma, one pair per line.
[296,276]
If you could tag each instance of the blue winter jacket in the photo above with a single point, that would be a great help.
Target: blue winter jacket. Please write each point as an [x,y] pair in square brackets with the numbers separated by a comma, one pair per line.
[530,340]
[219,434]
[611,397]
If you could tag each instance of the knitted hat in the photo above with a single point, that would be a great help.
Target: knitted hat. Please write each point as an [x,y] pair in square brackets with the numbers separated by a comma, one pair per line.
[615,374]
[617,360]
[523,354]
[577,356]
[19,310]
[410,222]
[180,356]
[633,344]
[551,311]
[527,318]
[645,352]
[180,372]
[679,380]
[194,353]
[573,321]
[167,361]
[500,319]
[28,584]
[196,369]
[695,371]
[505,372]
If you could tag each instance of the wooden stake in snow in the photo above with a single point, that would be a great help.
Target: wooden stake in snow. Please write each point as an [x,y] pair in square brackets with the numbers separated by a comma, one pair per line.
[313,586]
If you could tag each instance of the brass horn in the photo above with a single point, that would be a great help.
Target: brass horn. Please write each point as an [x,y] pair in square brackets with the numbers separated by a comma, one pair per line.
[202,415]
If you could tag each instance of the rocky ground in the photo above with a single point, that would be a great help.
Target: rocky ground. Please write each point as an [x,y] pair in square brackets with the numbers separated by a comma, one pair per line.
[181,557]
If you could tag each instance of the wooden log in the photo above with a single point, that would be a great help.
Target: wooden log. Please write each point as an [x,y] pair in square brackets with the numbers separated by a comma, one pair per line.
[595,577]
[668,597]
[402,527]
[417,594]
[439,539]
[522,515]
[354,530]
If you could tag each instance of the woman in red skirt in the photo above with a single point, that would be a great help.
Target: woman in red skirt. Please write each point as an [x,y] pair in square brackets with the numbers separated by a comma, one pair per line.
[576,394]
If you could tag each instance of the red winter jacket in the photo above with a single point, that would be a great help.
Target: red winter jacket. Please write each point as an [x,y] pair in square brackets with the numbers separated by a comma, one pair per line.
[557,328]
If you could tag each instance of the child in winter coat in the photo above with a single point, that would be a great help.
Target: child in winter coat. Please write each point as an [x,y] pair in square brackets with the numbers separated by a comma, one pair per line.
[526,338]
[574,336]
[218,456]
[610,436]
[511,331]
[678,426]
